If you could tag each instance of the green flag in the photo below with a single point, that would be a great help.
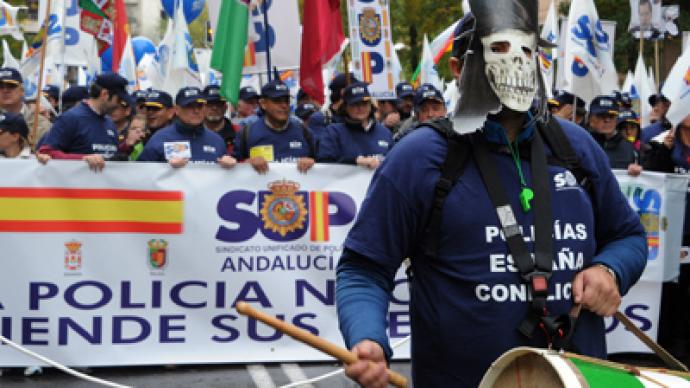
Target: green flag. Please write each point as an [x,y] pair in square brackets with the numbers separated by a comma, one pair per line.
[229,46]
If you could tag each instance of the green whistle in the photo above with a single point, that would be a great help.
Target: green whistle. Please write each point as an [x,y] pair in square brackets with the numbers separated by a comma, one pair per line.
[526,196]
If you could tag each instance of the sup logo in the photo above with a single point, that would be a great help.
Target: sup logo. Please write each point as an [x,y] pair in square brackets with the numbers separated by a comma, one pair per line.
[284,213]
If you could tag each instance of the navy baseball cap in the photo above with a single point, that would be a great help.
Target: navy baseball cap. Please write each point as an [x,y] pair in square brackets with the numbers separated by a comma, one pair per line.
[51,91]
[561,97]
[14,123]
[603,105]
[140,96]
[657,98]
[212,94]
[338,83]
[189,95]
[158,99]
[404,89]
[305,110]
[11,75]
[427,92]
[356,92]
[114,83]
[628,116]
[74,94]
[275,89]
[461,36]
[248,93]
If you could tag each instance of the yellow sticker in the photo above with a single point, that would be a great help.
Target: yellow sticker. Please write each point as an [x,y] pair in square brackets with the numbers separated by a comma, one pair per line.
[265,151]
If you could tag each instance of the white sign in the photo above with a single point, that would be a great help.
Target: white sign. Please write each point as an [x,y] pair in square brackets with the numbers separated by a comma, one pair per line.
[283,36]
[372,50]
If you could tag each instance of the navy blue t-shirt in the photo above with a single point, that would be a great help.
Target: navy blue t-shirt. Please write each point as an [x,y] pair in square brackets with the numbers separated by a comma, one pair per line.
[468,302]
[287,145]
[196,144]
[80,130]
[343,143]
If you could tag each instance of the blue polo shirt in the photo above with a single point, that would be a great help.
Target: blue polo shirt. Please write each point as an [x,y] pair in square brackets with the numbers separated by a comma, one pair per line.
[467,303]
[197,144]
[284,145]
[343,143]
[80,130]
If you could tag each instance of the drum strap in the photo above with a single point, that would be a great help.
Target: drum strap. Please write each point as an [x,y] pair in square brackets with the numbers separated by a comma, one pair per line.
[535,272]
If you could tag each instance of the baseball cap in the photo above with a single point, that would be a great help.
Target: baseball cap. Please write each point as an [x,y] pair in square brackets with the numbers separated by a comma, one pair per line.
[10,75]
[561,97]
[74,94]
[603,105]
[628,116]
[189,95]
[427,92]
[158,99]
[140,96]
[275,89]
[356,92]
[51,91]
[212,94]
[114,83]
[404,89]
[338,83]
[248,93]
[14,123]
[462,39]
[305,110]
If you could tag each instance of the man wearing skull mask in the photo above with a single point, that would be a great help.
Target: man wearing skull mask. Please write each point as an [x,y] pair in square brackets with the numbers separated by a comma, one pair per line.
[509,201]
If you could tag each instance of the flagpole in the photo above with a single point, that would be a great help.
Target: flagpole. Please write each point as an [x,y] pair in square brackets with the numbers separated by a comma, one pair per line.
[656,63]
[264,7]
[37,109]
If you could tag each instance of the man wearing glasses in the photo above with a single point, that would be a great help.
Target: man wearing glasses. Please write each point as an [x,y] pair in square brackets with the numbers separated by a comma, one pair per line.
[186,139]
[215,119]
[86,132]
[159,111]
[12,101]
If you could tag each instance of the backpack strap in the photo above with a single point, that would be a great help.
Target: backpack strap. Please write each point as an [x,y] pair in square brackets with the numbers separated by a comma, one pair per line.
[558,142]
[244,135]
[457,156]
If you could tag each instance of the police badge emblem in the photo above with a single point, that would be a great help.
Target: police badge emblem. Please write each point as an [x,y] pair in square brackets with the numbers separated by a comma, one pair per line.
[283,210]
[73,256]
[370,27]
[158,253]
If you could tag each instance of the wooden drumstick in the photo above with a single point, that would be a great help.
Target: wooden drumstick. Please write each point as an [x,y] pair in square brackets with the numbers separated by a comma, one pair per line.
[310,339]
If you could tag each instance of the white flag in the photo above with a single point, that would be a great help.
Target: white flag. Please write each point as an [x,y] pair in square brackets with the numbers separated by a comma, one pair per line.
[396,68]
[547,56]
[428,73]
[628,86]
[589,69]
[148,73]
[8,21]
[643,91]
[677,89]
[128,66]
[9,59]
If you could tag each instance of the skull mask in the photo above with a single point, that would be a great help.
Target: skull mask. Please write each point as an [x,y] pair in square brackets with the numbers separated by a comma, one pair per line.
[511,67]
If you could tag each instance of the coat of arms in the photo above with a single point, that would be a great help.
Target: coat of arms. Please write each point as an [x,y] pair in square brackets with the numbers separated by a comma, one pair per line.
[370,27]
[73,256]
[158,253]
[283,210]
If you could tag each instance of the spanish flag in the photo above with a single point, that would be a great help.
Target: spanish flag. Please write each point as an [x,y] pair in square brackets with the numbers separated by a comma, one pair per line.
[318,216]
[55,210]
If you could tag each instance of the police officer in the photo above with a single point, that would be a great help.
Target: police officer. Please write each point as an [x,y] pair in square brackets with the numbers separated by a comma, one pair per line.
[603,120]
[159,111]
[659,124]
[405,93]
[247,106]
[12,100]
[215,120]
[186,139]
[360,140]
[86,131]
[561,105]
[428,105]
[52,93]
[275,137]
[140,99]
[320,120]
[305,111]
[463,313]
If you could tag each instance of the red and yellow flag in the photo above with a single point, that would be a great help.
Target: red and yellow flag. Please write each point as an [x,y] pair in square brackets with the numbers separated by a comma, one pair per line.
[318,216]
[366,68]
[54,210]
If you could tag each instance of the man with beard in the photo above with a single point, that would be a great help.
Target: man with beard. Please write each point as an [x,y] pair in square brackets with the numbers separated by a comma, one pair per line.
[480,210]
[86,132]
[215,119]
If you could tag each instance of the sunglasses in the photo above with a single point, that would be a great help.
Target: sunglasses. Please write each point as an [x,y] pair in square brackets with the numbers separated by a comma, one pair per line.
[153,108]
[8,85]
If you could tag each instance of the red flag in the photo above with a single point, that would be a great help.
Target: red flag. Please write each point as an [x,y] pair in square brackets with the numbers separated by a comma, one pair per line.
[322,39]
[121,30]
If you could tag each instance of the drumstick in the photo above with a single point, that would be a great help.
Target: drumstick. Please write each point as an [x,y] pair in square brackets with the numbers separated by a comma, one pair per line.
[670,361]
[310,339]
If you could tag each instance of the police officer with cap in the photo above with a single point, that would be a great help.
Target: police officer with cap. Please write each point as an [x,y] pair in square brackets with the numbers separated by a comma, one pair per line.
[159,111]
[247,106]
[186,139]
[561,105]
[659,124]
[603,120]
[428,105]
[275,137]
[319,121]
[360,140]
[86,131]
[52,93]
[305,111]
[139,97]
[215,120]
[12,99]
[405,93]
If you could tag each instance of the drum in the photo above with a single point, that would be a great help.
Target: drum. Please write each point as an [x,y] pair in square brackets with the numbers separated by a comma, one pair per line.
[539,368]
